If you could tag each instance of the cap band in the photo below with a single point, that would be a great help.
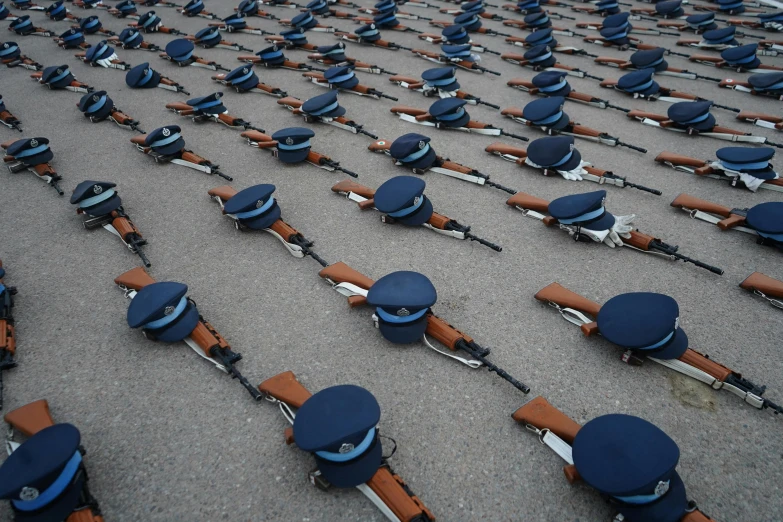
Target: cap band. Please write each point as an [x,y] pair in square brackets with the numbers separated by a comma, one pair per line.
[165,141]
[297,146]
[97,105]
[551,119]
[654,346]
[697,119]
[451,117]
[418,202]
[641,87]
[556,87]
[134,35]
[742,167]
[152,19]
[326,109]
[183,57]
[747,59]
[256,211]
[166,319]
[343,78]
[439,83]
[775,237]
[564,160]
[416,155]
[31,152]
[22,25]
[55,489]
[10,50]
[396,319]
[593,214]
[91,202]
[371,32]
[540,21]
[92,23]
[146,78]
[271,55]
[645,499]
[242,78]
[355,452]
[208,104]
[541,58]
[307,20]
[652,64]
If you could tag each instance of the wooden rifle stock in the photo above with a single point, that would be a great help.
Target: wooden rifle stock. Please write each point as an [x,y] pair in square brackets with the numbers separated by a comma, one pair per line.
[248,58]
[581,130]
[411,111]
[565,298]
[193,158]
[689,202]
[139,139]
[379,146]
[258,137]
[696,516]
[717,60]
[606,60]
[502,148]
[677,159]
[519,82]
[439,221]
[285,388]
[763,283]
[285,230]
[444,333]
[341,273]
[705,364]
[347,185]
[291,102]
[229,120]
[526,201]
[224,192]
[124,226]
[649,115]
[729,82]
[752,116]
[413,83]
[610,83]
[30,418]
[121,118]
[7,337]
[84,515]
[180,107]
[134,279]
[578,96]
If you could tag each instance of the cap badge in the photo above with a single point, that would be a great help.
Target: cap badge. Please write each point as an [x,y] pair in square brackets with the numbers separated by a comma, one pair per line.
[245,70]
[289,141]
[259,203]
[661,488]
[96,98]
[97,189]
[28,493]
[146,71]
[422,144]
[345,448]
[274,48]
[166,132]
[5,46]
[403,312]
[372,26]
[676,323]
[33,142]
[168,310]
[571,147]
[548,49]
[59,71]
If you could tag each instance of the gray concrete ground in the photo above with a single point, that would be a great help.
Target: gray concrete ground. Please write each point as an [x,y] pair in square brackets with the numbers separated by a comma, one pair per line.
[169,438]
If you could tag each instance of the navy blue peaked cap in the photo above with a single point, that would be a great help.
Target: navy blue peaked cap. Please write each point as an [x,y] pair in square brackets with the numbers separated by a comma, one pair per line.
[96,198]
[767,220]
[149,20]
[771,17]
[304,21]
[2,103]
[193,7]
[31,152]
[235,21]
[443,78]
[476,6]
[616,35]
[607,6]
[385,5]
[401,301]
[402,198]
[368,33]
[461,51]
[670,8]
[254,207]
[339,426]
[210,104]
[180,50]
[470,21]
[583,210]
[552,83]
[455,34]
[694,115]
[750,160]
[165,140]
[131,38]
[44,477]
[640,82]
[128,7]
[90,25]
[450,112]
[242,78]
[547,112]
[161,309]
[293,144]
[743,56]
[540,56]
[763,82]
[22,25]
[386,20]
[248,7]
[56,11]
[731,6]
[208,37]
[341,77]
[633,462]
[4,12]
[336,52]
[538,20]
[723,36]
[702,21]
[9,51]
[616,20]
[413,150]
[319,7]
[542,37]
[272,55]
[142,76]
[100,51]
[529,6]
[296,36]
[554,152]
[650,59]
[72,38]
[57,76]
[645,322]
[96,105]
[324,105]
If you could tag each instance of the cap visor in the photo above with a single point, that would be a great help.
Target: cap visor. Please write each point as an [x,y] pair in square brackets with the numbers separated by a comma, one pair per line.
[562,123]
[670,508]
[104,207]
[171,148]
[403,333]
[339,111]
[293,156]
[264,220]
[37,159]
[181,328]
[605,222]
[674,349]
[573,162]
[460,122]
[705,125]
[350,83]
[419,217]
[424,162]
[60,508]
[354,472]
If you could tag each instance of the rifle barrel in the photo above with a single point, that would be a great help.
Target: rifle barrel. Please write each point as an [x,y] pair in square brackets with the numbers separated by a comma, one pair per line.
[672,251]
[479,101]
[778,145]
[501,187]
[504,133]
[479,355]
[224,176]
[634,147]
[56,187]
[591,76]
[359,130]
[709,78]
[484,69]
[234,373]
[612,106]
[484,242]
[732,109]
[380,94]
[490,51]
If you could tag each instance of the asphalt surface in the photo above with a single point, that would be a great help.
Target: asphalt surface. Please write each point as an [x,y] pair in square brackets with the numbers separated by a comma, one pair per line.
[170,438]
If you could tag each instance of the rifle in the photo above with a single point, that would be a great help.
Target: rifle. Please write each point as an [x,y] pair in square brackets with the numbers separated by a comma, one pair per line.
[590,173]
[225,118]
[119,224]
[351,37]
[247,29]
[399,27]
[447,167]
[519,59]
[413,84]
[22,61]
[185,157]
[259,88]
[557,430]
[387,490]
[223,44]
[341,122]
[711,169]
[574,129]
[362,90]
[665,94]
[74,86]
[195,61]
[768,121]
[588,99]
[44,171]
[422,117]
[467,65]
[537,208]
[29,420]
[357,65]
[696,365]
[765,287]
[481,30]
[7,332]
[522,42]
[438,39]
[112,62]
[744,86]
[669,71]
[204,339]
[264,141]
[354,285]
[296,244]
[720,63]
[9,120]
[437,222]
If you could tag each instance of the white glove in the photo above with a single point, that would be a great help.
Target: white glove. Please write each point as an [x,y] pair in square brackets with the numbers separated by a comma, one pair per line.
[106,62]
[570,175]
[621,229]
[753,183]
